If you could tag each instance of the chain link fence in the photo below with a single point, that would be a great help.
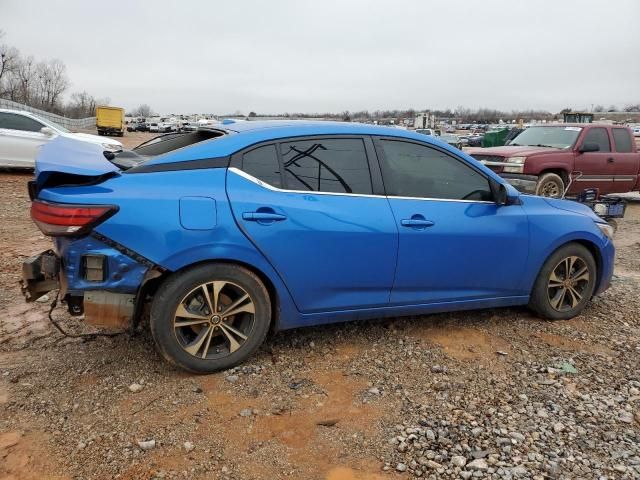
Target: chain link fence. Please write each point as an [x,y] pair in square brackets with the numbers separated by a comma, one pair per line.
[70,123]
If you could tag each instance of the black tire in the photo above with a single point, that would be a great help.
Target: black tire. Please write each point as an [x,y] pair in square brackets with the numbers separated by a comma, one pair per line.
[550,185]
[541,300]
[171,340]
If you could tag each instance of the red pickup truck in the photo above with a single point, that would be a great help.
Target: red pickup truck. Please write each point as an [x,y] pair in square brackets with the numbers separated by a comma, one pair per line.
[546,159]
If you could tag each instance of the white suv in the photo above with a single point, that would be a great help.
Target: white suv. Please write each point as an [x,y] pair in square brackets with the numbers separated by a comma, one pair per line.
[23,133]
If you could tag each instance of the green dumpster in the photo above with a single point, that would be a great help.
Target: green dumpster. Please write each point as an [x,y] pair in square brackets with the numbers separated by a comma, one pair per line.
[495,138]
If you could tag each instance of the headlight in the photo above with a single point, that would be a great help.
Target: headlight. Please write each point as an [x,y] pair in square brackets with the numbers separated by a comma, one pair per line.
[518,165]
[606,229]
[111,147]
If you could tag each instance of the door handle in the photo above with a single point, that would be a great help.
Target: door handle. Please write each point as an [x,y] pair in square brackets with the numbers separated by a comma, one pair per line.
[611,160]
[263,217]
[416,222]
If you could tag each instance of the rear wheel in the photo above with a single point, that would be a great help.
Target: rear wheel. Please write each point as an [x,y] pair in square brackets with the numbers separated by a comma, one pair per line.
[565,283]
[210,317]
[550,185]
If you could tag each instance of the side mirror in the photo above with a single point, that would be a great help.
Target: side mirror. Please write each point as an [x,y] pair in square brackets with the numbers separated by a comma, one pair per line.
[589,147]
[47,131]
[501,194]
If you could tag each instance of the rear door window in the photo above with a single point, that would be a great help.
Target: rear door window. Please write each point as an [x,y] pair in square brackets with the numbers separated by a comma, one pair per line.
[600,137]
[262,163]
[622,139]
[336,165]
[12,121]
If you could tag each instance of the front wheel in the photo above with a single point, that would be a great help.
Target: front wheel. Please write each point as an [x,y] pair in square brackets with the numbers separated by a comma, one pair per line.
[210,317]
[550,185]
[565,283]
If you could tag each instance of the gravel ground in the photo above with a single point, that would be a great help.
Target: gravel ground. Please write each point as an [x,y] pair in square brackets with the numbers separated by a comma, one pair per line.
[481,394]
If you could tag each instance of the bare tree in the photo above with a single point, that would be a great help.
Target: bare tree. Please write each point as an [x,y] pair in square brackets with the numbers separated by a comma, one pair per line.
[25,76]
[52,83]
[83,105]
[9,57]
[143,110]
[598,108]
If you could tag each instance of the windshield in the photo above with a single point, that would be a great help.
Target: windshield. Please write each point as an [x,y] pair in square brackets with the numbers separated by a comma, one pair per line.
[557,137]
[53,125]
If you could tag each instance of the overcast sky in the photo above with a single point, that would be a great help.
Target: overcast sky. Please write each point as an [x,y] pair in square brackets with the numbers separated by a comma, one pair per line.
[331,55]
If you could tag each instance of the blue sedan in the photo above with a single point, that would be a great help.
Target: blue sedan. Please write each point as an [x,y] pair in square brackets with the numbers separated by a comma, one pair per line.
[227,233]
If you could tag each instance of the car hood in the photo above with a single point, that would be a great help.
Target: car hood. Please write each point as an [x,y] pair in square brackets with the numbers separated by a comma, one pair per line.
[511,151]
[574,207]
[87,137]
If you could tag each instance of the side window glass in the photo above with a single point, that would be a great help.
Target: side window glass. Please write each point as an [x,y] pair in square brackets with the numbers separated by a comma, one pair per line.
[262,163]
[12,121]
[622,139]
[600,137]
[412,170]
[326,165]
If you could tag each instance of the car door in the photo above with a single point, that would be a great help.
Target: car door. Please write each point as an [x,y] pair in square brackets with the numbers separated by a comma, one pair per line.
[456,243]
[626,161]
[309,205]
[20,139]
[597,168]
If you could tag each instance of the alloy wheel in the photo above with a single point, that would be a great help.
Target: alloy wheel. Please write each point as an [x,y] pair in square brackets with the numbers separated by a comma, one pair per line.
[568,282]
[214,319]
[550,189]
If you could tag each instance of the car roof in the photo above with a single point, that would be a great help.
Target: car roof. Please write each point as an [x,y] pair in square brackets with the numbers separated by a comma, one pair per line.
[244,134]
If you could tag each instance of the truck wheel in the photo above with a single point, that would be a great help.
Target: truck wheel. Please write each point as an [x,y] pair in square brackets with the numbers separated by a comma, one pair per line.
[565,283]
[550,185]
[210,317]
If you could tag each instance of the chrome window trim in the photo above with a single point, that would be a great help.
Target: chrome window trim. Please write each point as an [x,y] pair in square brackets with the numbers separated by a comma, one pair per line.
[259,182]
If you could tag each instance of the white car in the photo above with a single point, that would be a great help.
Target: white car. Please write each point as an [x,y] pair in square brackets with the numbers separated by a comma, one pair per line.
[166,127]
[426,131]
[23,133]
[636,131]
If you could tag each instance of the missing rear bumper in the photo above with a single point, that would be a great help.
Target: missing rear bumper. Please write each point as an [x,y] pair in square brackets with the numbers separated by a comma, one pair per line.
[40,275]
[108,310]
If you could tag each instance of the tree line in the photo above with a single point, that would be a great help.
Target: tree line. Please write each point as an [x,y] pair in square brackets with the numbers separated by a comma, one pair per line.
[460,114]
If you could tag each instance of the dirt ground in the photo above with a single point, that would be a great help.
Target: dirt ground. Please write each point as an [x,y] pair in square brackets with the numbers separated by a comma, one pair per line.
[398,398]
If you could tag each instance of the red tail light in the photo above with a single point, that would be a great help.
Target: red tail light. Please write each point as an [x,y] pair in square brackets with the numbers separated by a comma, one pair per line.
[64,219]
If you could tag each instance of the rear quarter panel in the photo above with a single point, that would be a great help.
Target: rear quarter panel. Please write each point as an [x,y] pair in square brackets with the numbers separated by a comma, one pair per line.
[149,223]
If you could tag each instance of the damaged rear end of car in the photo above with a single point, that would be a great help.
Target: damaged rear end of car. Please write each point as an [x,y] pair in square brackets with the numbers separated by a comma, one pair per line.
[94,276]
[77,188]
